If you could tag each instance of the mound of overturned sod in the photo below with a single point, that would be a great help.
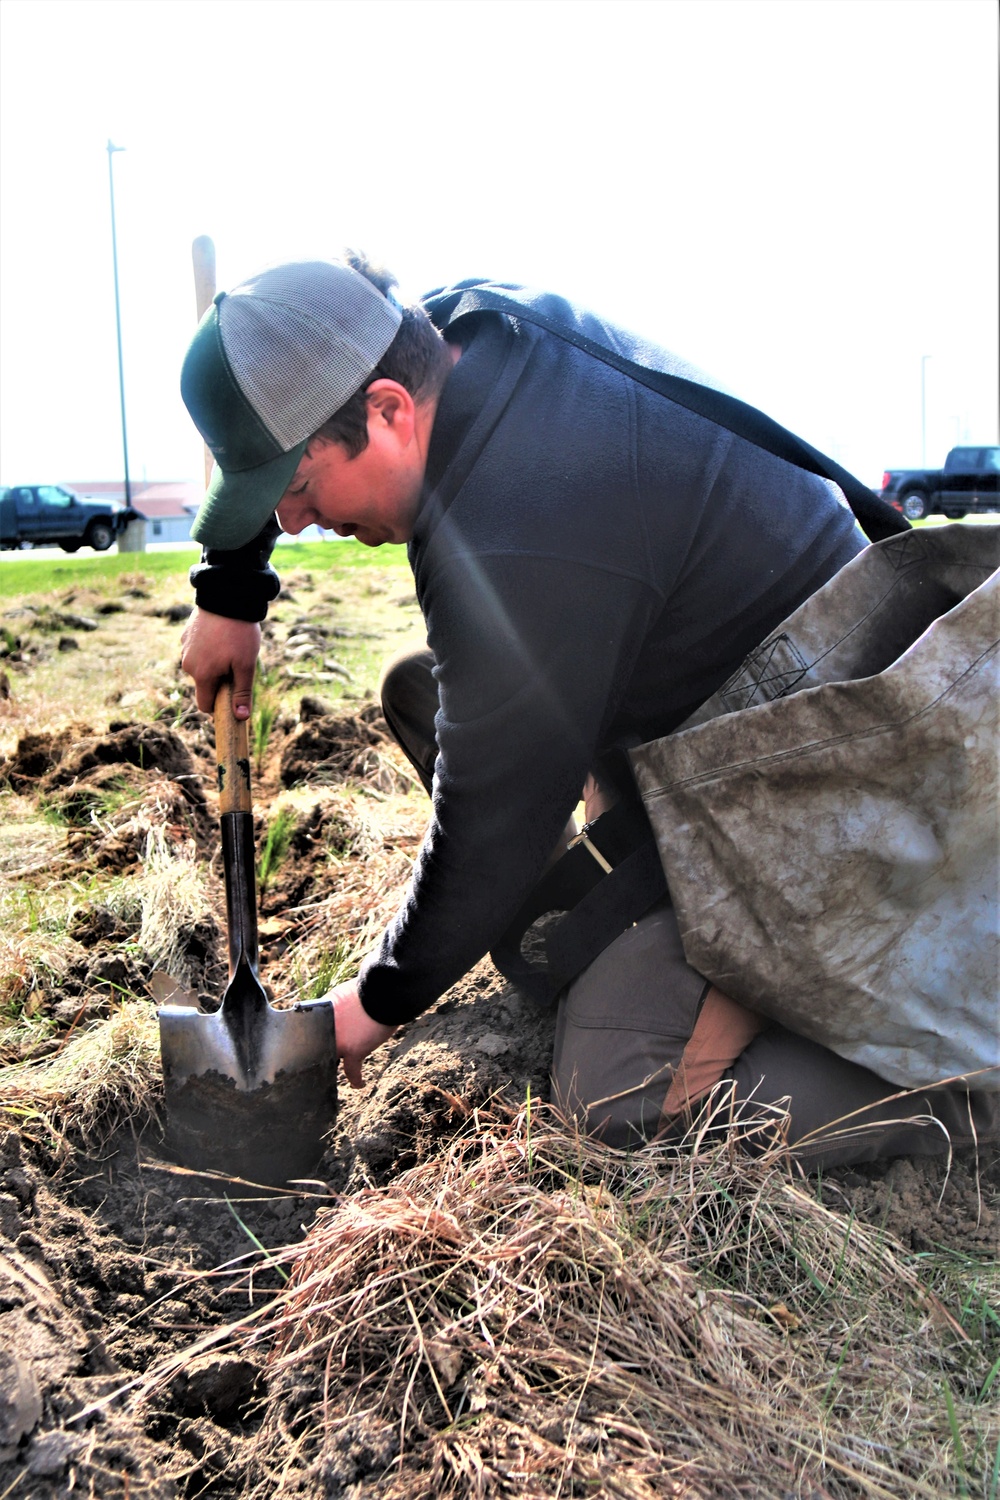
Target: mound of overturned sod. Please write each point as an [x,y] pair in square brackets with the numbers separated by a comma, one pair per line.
[527,1313]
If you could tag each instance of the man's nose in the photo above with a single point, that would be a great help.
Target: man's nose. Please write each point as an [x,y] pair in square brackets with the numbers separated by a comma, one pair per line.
[291,515]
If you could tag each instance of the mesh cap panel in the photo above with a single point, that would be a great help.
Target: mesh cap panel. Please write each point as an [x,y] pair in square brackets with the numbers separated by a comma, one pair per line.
[301,339]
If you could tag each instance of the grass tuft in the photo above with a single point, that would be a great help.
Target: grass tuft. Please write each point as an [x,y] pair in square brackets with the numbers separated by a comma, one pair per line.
[319,971]
[35,950]
[173,896]
[101,1078]
[276,842]
[266,708]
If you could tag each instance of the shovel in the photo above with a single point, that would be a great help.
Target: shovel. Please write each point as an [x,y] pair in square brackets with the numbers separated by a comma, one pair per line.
[250,1090]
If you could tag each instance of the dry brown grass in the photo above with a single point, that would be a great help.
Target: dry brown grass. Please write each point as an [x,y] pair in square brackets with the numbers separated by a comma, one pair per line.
[35,950]
[531,1314]
[335,932]
[41,892]
[28,843]
[127,667]
[173,893]
[102,1077]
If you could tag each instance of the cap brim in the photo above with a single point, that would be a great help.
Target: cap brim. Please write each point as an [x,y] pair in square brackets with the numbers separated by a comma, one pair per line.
[238,506]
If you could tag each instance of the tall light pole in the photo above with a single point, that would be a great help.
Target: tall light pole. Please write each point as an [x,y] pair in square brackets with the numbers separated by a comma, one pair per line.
[118,318]
[923,410]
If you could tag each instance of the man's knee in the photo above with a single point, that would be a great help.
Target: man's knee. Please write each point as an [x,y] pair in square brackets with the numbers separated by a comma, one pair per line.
[639,1044]
[407,683]
[409,703]
[623,1025]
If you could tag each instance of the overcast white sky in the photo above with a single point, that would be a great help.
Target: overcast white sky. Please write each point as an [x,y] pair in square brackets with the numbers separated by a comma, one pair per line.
[798,195]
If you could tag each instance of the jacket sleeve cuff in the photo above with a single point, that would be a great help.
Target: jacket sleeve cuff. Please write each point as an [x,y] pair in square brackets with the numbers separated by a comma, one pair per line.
[238,584]
[379,994]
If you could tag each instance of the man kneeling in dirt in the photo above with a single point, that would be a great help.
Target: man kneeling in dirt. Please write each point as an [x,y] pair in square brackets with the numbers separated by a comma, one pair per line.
[593,559]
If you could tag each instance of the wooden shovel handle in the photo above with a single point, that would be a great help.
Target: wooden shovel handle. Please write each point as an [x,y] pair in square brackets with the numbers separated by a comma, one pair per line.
[203,259]
[232,753]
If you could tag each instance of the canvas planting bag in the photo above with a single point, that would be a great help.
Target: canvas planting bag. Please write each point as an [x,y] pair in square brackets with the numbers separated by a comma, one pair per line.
[828,821]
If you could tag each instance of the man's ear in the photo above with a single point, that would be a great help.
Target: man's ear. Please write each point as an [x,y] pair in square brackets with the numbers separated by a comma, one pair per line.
[390,405]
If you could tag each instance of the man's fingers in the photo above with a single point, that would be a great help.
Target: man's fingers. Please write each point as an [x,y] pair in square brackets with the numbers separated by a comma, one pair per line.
[213,647]
[243,672]
[352,1068]
[204,695]
[242,698]
[207,689]
[357,1033]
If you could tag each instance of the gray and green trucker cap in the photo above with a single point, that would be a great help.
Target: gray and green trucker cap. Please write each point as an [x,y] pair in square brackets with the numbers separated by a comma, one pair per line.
[271,361]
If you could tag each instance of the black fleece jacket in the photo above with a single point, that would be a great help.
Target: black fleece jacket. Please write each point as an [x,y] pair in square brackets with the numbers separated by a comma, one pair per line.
[592,561]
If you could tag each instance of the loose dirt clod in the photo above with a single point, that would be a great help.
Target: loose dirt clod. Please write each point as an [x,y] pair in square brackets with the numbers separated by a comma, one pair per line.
[331,748]
[64,757]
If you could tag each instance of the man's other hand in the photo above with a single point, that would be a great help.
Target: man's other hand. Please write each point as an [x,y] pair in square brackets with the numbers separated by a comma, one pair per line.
[357,1033]
[214,648]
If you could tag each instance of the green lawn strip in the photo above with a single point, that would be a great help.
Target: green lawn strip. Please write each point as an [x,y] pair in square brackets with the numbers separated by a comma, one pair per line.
[42,575]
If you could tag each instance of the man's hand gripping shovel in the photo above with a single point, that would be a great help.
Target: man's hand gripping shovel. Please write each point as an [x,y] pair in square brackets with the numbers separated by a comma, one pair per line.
[251,1091]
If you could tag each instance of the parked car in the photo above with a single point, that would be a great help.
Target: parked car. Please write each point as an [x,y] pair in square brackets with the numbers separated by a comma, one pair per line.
[46,515]
[966,484]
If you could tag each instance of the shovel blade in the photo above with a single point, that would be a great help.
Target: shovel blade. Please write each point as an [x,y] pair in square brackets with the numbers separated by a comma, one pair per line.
[263,1116]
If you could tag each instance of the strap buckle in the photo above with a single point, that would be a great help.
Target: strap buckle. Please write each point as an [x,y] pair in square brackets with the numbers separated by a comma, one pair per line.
[584,838]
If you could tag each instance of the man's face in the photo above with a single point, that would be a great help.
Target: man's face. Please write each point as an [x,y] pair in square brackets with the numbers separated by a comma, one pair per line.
[373,497]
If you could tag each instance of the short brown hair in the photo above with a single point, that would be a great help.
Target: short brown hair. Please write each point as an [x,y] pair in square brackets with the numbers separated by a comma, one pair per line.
[417,358]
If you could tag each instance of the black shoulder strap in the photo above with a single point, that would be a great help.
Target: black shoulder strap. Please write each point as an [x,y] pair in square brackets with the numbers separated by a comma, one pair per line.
[876,517]
[602,892]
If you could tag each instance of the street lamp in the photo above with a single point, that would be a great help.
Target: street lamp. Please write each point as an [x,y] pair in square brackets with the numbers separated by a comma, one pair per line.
[118,318]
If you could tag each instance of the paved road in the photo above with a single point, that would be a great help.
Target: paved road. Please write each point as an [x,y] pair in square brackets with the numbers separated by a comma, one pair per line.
[314,534]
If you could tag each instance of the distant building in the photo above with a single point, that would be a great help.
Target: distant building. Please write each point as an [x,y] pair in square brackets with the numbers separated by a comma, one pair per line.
[169,506]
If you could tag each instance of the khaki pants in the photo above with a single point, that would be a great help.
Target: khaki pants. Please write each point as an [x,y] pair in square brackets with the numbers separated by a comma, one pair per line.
[642,1038]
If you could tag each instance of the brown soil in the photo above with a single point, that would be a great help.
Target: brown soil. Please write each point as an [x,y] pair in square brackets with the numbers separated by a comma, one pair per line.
[112,1260]
[332,747]
[109,1262]
[924,1204]
[112,1264]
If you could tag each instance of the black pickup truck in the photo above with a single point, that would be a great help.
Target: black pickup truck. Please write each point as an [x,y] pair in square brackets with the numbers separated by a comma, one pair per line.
[46,515]
[966,484]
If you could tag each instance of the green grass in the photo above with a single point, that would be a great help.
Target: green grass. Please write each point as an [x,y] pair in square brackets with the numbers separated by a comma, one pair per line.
[989,518]
[323,971]
[275,846]
[970,1286]
[266,708]
[330,556]
[78,806]
[41,575]
[29,911]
